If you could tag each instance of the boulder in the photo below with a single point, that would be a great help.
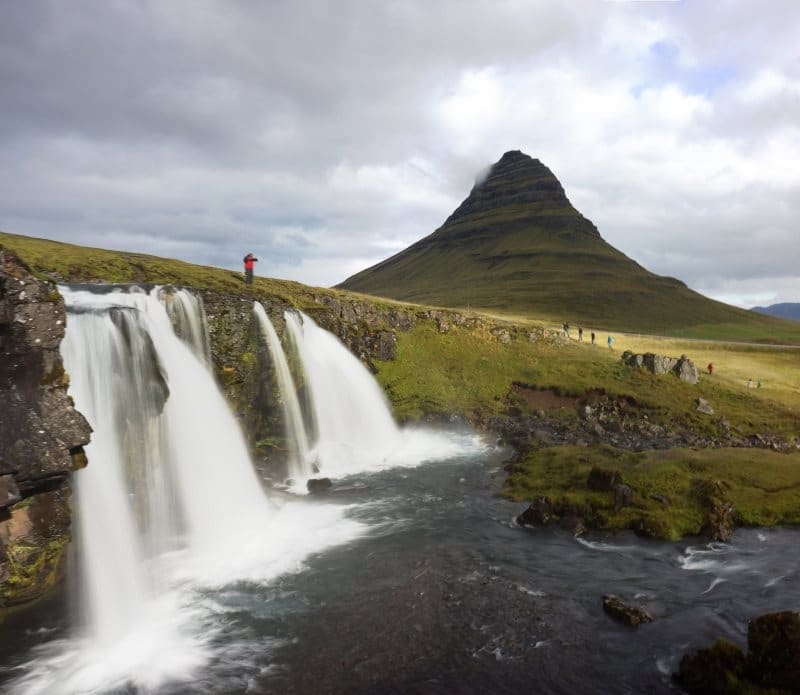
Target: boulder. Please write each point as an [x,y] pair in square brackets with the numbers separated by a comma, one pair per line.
[539,513]
[625,613]
[713,671]
[603,479]
[773,641]
[623,496]
[319,484]
[682,367]
[703,406]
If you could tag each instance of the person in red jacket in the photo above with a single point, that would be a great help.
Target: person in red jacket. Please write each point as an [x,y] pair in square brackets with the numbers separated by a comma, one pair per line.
[249,259]
[710,368]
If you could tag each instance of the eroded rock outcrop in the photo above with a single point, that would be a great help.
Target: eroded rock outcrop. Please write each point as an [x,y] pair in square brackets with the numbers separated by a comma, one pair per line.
[682,367]
[41,435]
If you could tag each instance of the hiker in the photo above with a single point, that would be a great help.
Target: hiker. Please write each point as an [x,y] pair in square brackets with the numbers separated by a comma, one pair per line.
[710,368]
[249,259]
[593,338]
[580,334]
[749,383]
[610,342]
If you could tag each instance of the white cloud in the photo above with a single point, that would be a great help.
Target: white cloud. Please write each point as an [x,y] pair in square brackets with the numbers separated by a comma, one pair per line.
[326,140]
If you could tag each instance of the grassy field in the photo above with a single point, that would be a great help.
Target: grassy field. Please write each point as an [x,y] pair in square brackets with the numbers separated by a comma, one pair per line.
[471,371]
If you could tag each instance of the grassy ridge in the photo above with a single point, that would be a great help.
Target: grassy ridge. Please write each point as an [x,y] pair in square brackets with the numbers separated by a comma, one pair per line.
[63,262]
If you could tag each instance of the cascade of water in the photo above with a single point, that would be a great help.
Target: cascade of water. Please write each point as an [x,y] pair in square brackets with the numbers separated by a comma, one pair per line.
[98,358]
[355,427]
[300,462]
[189,320]
[196,439]
[166,455]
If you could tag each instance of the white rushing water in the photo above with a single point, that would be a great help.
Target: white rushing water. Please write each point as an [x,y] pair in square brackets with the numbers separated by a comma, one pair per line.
[300,461]
[168,506]
[356,431]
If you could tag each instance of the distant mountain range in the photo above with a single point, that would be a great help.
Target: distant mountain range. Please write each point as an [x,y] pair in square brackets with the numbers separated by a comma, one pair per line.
[784,310]
[517,246]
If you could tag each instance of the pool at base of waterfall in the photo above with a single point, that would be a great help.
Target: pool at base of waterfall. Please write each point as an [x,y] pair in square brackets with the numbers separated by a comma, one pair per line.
[440,592]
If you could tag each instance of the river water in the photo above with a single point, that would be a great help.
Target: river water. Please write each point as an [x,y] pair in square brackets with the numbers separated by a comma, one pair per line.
[442,592]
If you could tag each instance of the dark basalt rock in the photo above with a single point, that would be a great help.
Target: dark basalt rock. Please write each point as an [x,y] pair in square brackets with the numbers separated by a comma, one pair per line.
[540,513]
[628,614]
[603,479]
[319,485]
[773,641]
[718,521]
[714,671]
[41,435]
[772,663]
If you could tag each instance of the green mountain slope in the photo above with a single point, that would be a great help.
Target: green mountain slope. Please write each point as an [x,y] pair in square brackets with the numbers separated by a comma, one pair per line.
[517,246]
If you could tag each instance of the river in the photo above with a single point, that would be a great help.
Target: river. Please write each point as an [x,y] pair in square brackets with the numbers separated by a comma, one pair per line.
[441,592]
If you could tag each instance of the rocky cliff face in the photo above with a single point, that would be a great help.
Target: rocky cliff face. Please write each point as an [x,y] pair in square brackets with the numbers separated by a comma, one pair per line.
[41,435]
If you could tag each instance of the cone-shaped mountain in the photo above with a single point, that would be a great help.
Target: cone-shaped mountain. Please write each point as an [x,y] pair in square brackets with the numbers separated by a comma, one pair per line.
[517,246]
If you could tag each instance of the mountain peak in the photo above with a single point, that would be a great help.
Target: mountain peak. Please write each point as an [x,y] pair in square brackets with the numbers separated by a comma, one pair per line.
[515,180]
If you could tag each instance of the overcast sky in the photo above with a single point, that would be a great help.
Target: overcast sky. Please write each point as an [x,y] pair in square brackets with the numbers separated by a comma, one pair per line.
[325,136]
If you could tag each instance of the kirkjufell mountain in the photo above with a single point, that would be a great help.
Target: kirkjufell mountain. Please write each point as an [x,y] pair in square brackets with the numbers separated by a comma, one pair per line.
[517,246]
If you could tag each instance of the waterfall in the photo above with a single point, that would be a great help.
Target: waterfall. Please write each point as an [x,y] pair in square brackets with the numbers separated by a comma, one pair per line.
[188,317]
[199,460]
[97,353]
[355,427]
[300,461]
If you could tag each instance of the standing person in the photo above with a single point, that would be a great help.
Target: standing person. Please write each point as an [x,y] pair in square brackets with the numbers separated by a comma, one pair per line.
[580,334]
[610,342]
[710,368]
[593,337]
[249,259]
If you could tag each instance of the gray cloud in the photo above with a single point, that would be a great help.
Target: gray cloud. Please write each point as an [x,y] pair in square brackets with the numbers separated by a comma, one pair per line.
[325,136]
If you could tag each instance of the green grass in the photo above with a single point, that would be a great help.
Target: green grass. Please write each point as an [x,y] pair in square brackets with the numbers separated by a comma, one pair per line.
[62,262]
[469,371]
[764,486]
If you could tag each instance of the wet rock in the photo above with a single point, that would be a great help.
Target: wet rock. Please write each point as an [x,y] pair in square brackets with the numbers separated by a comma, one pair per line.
[773,641]
[319,484]
[625,613]
[571,521]
[41,435]
[713,671]
[539,513]
[718,522]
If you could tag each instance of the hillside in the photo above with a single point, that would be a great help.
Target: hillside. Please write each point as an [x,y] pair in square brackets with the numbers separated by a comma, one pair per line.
[524,382]
[517,246]
[785,310]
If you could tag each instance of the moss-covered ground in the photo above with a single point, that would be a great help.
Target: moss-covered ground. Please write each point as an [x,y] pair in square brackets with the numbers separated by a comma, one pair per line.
[764,486]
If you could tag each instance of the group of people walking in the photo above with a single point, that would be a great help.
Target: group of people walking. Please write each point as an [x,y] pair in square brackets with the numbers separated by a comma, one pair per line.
[593,336]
